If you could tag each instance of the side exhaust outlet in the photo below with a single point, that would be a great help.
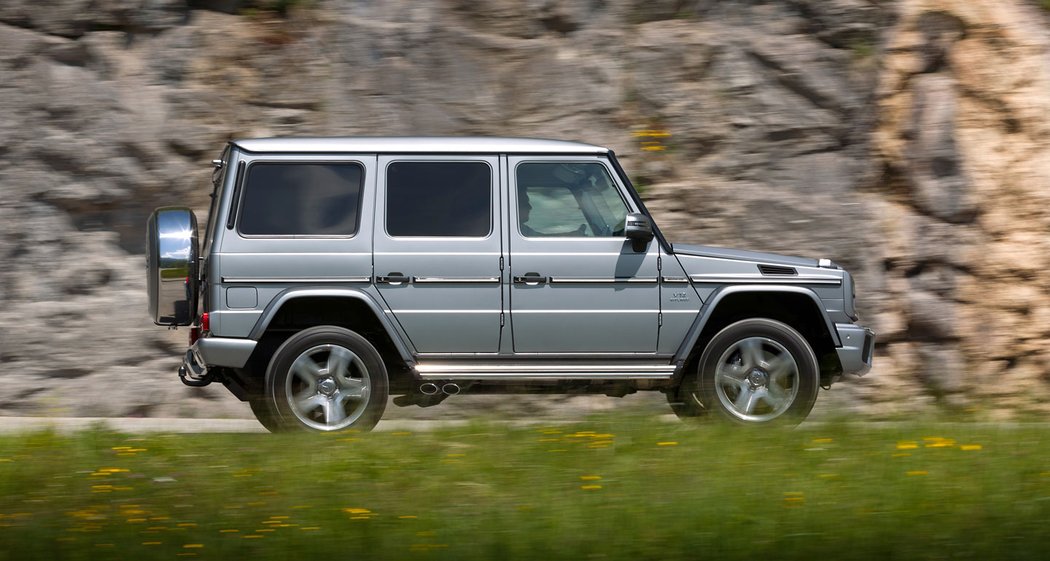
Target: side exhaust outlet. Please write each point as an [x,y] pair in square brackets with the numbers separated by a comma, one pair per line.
[450,389]
[429,388]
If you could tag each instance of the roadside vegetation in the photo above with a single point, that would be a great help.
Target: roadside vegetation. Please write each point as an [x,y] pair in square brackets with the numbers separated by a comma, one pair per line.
[610,487]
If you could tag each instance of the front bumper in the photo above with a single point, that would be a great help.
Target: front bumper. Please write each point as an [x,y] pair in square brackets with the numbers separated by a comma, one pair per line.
[858,346]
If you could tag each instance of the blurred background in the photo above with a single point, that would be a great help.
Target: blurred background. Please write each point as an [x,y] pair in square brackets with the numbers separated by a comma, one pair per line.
[907,140]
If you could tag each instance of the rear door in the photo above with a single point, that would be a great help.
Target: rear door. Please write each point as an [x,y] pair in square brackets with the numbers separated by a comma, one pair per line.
[438,248]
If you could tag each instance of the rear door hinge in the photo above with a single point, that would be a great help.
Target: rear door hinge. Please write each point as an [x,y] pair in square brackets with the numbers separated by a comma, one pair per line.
[501,319]
[660,319]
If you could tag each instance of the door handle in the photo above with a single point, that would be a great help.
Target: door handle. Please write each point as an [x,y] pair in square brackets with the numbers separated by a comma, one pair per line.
[531,279]
[394,278]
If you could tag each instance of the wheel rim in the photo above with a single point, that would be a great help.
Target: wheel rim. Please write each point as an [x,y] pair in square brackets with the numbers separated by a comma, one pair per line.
[328,387]
[756,379]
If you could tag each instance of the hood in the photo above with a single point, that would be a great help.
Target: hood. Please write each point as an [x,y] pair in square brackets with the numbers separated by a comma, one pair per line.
[740,255]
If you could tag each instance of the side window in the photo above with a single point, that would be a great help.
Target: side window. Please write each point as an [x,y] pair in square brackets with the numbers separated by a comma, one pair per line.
[301,199]
[557,199]
[447,199]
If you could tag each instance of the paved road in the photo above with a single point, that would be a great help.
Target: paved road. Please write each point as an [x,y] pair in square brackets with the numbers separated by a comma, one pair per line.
[146,425]
[138,425]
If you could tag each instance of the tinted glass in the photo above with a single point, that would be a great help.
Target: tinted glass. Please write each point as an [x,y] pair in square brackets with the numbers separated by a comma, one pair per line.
[439,199]
[568,199]
[301,199]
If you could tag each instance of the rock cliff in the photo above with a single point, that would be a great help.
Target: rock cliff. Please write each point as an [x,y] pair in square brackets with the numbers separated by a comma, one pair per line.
[906,140]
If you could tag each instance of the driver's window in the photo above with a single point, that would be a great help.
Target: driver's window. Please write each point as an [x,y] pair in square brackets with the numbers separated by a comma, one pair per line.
[558,199]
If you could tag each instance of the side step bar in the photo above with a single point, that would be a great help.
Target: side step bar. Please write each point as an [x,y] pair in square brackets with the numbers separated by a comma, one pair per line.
[527,372]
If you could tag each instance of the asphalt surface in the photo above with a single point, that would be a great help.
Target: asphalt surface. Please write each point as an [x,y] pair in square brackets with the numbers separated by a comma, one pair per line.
[142,425]
[138,425]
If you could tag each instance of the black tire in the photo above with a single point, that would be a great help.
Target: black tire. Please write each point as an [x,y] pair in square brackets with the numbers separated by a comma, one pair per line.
[685,403]
[758,372]
[326,379]
[263,410]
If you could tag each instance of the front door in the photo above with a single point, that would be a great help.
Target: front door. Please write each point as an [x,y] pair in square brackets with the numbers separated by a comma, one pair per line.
[438,248]
[578,285]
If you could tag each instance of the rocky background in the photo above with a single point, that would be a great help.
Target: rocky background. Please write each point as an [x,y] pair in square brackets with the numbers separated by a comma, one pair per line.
[906,140]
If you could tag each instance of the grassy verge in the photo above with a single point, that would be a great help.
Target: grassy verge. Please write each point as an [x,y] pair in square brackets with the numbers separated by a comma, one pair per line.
[608,488]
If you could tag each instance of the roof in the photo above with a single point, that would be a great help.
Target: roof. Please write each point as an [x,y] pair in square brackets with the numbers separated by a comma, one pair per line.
[417,145]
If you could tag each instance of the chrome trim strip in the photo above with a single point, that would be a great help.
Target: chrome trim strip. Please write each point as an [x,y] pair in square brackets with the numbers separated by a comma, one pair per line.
[297,254]
[607,280]
[558,355]
[450,312]
[754,279]
[439,280]
[569,254]
[540,376]
[440,253]
[267,280]
[621,368]
[544,372]
[655,311]
[670,280]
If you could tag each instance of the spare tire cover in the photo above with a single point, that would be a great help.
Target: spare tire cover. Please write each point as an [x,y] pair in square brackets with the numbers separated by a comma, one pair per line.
[171,263]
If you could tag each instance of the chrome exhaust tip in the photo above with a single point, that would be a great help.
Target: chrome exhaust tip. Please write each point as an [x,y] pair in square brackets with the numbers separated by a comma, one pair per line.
[429,388]
[450,389]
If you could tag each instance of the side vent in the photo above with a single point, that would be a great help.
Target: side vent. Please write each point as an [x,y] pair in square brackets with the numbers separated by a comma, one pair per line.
[777,270]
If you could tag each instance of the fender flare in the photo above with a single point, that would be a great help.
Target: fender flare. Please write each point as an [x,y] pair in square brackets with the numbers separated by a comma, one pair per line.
[721,293]
[291,294]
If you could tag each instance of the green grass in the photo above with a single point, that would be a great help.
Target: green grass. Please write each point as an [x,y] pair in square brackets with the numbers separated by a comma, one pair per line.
[608,488]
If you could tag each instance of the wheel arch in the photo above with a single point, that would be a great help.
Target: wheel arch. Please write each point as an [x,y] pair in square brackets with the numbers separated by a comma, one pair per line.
[297,309]
[795,306]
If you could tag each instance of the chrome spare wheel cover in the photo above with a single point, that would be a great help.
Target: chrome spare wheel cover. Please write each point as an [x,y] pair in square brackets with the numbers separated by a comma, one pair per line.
[756,379]
[328,387]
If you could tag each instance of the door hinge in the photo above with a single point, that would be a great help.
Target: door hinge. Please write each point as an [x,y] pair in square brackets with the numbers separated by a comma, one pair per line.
[501,319]
[659,263]
[660,319]
[501,262]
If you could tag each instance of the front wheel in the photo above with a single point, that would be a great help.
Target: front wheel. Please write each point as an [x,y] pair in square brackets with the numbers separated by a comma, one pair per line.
[327,379]
[758,371]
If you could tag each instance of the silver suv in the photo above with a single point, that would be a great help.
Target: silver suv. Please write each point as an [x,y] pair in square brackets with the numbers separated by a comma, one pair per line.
[336,272]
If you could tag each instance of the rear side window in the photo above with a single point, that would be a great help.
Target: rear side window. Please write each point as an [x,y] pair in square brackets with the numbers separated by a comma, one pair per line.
[301,199]
[447,199]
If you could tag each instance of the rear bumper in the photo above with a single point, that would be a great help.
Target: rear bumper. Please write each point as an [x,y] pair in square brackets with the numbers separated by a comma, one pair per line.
[215,351]
[858,346]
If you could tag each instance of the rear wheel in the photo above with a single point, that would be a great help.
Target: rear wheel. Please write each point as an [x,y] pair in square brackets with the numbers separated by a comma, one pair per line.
[264,413]
[756,372]
[326,379]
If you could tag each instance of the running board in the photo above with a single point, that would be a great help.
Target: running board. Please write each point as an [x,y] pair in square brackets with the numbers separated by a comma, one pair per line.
[528,372]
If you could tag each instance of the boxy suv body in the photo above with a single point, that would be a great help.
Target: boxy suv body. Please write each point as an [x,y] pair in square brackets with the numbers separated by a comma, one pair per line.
[335,272]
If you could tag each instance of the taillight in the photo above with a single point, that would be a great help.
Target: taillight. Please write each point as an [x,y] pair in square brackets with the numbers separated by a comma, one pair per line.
[205,326]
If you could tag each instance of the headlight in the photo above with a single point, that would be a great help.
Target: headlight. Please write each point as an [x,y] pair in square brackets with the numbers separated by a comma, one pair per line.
[849,296]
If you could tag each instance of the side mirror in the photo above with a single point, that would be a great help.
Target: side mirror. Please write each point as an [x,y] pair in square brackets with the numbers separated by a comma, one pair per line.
[639,230]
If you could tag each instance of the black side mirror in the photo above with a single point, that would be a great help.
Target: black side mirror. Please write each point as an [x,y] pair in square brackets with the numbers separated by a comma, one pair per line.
[639,230]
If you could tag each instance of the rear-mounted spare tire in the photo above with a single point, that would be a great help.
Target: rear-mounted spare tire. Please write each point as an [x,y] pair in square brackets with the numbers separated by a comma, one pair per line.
[171,263]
